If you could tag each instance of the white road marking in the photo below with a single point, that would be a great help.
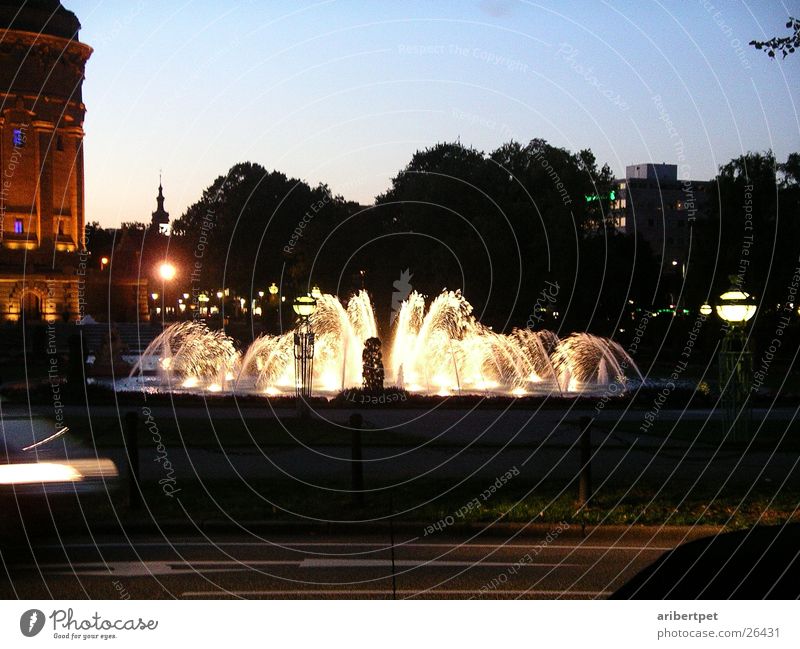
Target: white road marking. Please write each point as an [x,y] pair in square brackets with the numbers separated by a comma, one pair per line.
[388,593]
[413,563]
[385,546]
[148,568]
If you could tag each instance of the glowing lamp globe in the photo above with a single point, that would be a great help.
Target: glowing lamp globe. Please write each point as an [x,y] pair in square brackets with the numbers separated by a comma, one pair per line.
[273,290]
[304,306]
[736,307]
[316,293]
[167,271]
[706,309]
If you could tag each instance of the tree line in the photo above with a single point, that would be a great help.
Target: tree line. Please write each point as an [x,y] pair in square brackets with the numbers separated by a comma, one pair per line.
[500,226]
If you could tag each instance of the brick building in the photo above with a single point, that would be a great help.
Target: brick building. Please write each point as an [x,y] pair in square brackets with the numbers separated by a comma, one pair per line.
[42,67]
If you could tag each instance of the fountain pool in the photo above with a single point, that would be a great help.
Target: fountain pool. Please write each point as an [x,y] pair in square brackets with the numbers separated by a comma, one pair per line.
[439,348]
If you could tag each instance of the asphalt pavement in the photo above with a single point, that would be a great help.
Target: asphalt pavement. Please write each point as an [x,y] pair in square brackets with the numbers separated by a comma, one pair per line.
[547,562]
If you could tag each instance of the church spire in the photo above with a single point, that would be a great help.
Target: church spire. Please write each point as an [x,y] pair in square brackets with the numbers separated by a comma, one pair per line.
[160,218]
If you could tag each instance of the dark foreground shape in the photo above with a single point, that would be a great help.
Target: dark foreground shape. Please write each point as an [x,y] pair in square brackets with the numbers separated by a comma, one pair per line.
[763,562]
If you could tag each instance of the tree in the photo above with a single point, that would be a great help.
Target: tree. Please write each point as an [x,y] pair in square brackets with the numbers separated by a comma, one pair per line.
[496,226]
[786,44]
[251,223]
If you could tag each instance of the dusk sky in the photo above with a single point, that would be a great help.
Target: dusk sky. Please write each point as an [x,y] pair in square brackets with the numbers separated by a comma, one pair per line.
[344,92]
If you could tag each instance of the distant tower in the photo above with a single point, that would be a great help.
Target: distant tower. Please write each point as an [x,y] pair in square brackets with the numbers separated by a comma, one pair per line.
[160,219]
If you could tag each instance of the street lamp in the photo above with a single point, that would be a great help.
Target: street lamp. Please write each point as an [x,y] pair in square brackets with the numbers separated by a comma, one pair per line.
[735,308]
[167,271]
[304,306]
[705,309]
[273,289]
[316,293]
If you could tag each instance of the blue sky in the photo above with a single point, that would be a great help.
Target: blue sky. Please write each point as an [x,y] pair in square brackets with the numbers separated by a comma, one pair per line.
[344,92]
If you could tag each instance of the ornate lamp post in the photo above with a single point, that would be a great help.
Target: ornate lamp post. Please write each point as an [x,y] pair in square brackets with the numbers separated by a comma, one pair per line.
[304,306]
[735,307]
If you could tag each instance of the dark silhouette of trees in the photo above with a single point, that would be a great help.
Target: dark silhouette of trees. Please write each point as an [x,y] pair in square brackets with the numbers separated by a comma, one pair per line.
[786,44]
[499,226]
[251,222]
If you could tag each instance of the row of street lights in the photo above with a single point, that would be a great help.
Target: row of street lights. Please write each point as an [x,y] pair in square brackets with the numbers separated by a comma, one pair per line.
[303,306]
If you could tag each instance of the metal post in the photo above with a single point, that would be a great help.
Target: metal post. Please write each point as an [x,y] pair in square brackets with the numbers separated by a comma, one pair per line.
[132,446]
[303,366]
[585,484]
[357,466]
[735,371]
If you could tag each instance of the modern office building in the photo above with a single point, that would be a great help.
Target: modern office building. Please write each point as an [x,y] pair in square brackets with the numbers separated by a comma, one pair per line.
[652,202]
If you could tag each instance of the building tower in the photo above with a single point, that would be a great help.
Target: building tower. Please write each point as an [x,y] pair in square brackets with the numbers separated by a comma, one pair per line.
[160,219]
[42,67]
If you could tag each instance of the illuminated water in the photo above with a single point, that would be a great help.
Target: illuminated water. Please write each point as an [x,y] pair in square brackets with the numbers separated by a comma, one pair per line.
[435,349]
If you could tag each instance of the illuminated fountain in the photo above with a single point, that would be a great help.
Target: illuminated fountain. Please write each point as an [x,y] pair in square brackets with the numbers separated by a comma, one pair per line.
[189,355]
[439,350]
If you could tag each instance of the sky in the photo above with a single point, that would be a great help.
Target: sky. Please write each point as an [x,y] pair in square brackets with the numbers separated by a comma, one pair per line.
[344,92]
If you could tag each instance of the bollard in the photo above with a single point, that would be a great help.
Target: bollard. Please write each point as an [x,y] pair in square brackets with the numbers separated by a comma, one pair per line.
[132,447]
[357,466]
[585,484]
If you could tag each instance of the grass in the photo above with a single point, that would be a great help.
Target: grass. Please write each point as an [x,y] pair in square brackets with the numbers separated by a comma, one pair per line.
[283,501]
[767,434]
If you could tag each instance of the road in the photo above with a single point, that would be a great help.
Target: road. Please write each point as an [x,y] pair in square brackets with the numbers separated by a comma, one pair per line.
[546,563]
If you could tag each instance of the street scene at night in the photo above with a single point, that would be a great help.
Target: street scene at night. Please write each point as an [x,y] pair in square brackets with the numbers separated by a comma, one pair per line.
[308,304]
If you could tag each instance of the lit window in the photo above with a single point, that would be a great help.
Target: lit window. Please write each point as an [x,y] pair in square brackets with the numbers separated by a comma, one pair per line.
[18,226]
[18,138]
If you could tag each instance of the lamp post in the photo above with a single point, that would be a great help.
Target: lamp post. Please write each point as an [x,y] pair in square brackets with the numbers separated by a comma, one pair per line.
[275,303]
[166,272]
[203,299]
[304,307]
[735,307]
